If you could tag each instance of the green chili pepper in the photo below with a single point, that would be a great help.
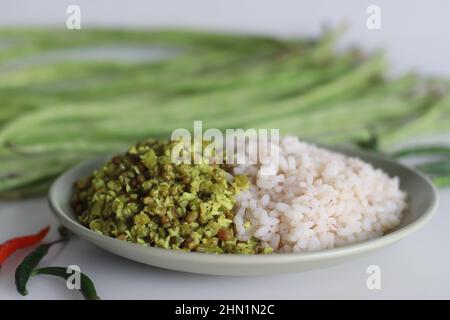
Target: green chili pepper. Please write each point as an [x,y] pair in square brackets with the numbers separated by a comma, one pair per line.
[87,288]
[26,267]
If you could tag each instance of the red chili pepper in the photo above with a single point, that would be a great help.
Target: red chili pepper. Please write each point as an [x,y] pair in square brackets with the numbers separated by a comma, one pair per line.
[9,247]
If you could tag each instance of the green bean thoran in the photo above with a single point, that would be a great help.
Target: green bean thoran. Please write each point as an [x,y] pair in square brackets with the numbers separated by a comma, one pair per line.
[143,197]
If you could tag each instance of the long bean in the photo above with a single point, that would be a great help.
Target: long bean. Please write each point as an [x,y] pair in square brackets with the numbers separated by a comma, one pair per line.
[144,116]
[422,150]
[436,168]
[433,119]
[56,114]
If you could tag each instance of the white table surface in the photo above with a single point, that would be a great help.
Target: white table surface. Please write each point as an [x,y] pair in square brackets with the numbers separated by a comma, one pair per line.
[414,268]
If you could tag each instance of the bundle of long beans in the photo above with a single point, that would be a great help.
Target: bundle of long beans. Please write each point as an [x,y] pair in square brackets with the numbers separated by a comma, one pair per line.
[54,113]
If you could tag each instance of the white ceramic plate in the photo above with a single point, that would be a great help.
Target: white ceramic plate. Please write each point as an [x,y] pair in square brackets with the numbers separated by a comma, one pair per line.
[422,202]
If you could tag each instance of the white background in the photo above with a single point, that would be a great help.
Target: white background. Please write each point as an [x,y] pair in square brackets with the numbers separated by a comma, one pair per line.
[415,33]
[415,36]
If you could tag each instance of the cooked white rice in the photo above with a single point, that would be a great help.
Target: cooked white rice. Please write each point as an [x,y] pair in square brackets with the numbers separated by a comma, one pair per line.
[317,199]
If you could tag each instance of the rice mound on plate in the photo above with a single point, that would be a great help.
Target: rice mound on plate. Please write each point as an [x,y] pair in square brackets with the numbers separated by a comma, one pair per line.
[317,199]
